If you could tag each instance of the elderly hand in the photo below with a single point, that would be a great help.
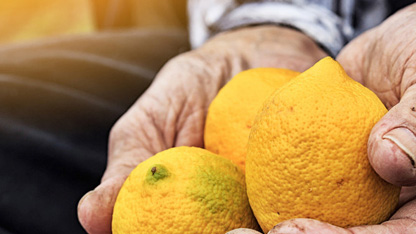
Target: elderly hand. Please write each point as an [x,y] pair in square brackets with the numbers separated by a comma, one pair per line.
[384,60]
[172,111]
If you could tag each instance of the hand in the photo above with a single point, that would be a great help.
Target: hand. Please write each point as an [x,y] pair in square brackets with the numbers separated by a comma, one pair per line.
[384,60]
[172,111]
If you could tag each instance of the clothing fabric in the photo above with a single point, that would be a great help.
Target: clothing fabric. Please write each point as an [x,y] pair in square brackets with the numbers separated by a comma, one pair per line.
[331,23]
[59,99]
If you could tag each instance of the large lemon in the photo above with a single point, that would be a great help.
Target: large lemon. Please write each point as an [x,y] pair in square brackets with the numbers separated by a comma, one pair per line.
[183,190]
[232,112]
[307,153]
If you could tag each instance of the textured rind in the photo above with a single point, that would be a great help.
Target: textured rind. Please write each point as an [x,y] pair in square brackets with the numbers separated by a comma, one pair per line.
[232,112]
[307,153]
[202,193]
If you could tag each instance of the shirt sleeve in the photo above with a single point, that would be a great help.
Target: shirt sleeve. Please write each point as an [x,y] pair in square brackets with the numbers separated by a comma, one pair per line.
[314,18]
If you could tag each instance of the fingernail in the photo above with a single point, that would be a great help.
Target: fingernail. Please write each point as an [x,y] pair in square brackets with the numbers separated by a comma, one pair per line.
[405,140]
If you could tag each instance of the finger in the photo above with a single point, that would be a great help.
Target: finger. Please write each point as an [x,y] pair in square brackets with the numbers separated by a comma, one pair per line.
[403,221]
[243,231]
[392,142]
[407,194]
[307,226]
[95,209]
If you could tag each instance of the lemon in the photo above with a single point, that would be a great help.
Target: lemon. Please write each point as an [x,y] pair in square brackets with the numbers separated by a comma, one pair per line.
[232,112]
[307,153]
[183,190]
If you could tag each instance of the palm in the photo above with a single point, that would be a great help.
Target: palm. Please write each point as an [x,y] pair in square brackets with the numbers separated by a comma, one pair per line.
[172,111]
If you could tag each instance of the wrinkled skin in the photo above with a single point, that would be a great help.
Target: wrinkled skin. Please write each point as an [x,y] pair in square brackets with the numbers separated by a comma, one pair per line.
[384,60]
[172,111]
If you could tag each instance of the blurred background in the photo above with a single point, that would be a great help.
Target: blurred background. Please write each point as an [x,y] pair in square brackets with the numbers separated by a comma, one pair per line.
[23,20]
[40,182]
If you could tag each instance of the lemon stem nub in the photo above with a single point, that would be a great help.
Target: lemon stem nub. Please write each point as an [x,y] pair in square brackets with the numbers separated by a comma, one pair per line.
[156,173]
[153,170]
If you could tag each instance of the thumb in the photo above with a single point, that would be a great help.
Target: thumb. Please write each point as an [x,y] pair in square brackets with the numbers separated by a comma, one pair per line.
[392,142]
[126,150]
[95,208]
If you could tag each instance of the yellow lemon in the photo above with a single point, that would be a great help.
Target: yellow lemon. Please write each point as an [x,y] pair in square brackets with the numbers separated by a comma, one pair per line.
[232,112]
[183,190]
[307,153]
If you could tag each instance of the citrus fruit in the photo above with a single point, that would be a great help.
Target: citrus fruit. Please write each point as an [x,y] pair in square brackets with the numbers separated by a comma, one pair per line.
[183,190]
[232,112]
[307,153]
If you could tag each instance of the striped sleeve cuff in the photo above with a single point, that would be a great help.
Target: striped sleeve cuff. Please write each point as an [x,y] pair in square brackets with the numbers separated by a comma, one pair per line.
[319,23]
